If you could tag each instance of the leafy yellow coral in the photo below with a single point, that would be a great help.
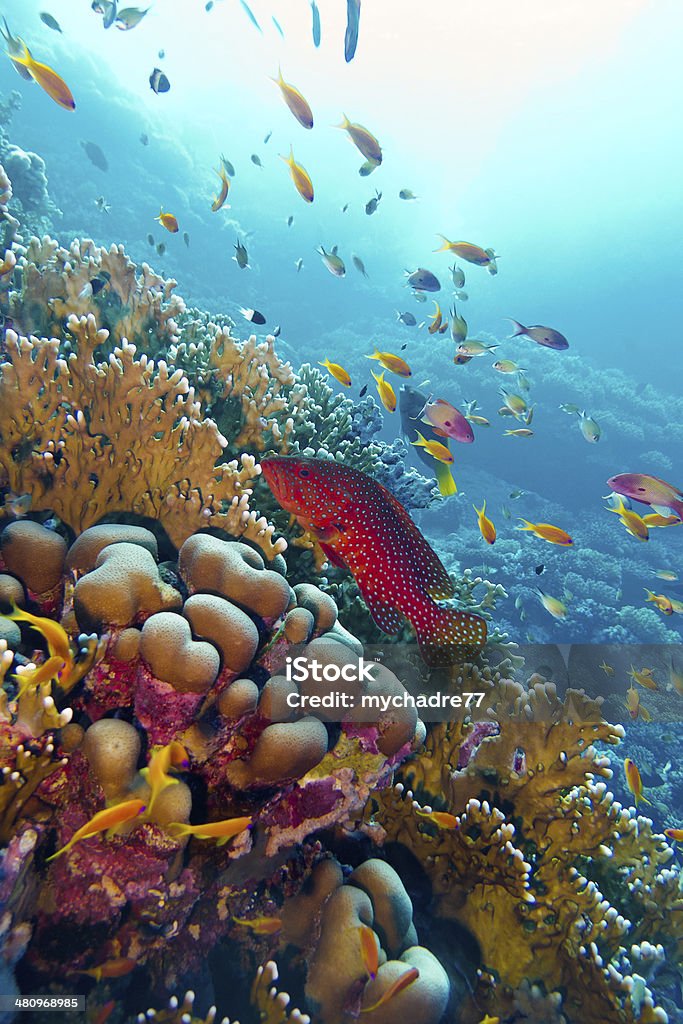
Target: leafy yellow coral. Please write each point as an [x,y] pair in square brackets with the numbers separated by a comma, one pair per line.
[87,439]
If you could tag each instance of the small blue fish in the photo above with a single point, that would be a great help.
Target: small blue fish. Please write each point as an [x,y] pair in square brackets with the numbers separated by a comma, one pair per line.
[278,26]
[352,20]
[250,14]
[316,23]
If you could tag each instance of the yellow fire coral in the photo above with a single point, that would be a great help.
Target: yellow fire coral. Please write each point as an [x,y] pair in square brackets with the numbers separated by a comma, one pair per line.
[87,439]
[530,821]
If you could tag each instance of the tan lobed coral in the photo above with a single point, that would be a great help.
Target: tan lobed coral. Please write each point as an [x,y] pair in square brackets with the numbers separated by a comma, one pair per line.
[87,439]
[527,824]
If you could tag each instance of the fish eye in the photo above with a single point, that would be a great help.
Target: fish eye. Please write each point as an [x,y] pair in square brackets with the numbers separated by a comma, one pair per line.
[304,472]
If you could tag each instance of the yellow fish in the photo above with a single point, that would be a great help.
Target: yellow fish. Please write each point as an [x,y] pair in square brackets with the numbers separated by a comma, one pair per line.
[655,520]
[440,818]
[220,830]
[607,669]
[392,363]
[486,527]
[437,319]
[369,951]
[643,678]
[660,601]
[665,574]
[300,177]
[58,642]
[634,781]
[519,432]
[479,421]
[468,251]
[338,372]
[632,701]
[436,449]
[110,817]
[117,968]
[223,194]
[260,925]
[386,392]
[295,101]
[676,677]
[507,366]
[674,833]
[398,986]
[634,523]
[168,221]
[173,755]
[552,605]
[50,669]
[515,403]
[546,531]
[48,80]
[364,141]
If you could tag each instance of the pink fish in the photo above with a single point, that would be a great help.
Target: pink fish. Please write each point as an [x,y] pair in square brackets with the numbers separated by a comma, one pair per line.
[649,490]
[548,337]
[448,421]
[361,527]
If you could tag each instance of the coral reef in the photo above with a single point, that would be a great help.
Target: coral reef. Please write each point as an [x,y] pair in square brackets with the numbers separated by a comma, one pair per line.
[530,842]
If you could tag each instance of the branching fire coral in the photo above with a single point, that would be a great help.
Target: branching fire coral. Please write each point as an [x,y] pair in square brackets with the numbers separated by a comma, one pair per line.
[86,439]
[527,826]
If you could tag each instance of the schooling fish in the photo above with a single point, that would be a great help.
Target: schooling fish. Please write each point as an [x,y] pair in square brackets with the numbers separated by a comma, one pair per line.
[253,316]
[338,372]
[158,82]
[448,421]
[411,405]
[458,276]
[372,204]
[117,968]
[15,48]
[435,448]
[406,318]
[168,221]
[392,363]
[241,256]
[654,521]
[300,177]
[278,26]
[362,527]
[219,200]
[295,101]
[423,280]
[436,318]
[660,601]
[458,327]
[144,138]
[633,522]
[547,337]
[643,678]
[223,831]
[256,160]
[486,527]
[590,428]
[649,490]
[467,251]
[634,781]
[352,23]
[359,265]
[364,141]
[386,392]
[110,817]
[399,985]
[48,20]
[250,14]
[129,17]
[186,239]
[546,531]
[408,195]
[315,14]
[156,774]
[552,605]
[228,166]
[48,80]
[333,262]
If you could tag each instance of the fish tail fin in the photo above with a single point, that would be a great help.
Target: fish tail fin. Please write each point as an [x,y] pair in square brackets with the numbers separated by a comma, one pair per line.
[345,123]
[449,636]
[446,481]
[527,524]
[25,58]
[376,355]
[421,442]
[446,244]
[519,328]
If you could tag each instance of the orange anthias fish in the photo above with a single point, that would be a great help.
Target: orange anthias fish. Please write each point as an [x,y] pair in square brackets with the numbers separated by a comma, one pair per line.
[223,194]
[48,80]
[43,673]
[643,678]
[110,817]
[546,531]
[300,177]
[634,781]
[295,101]
[58,642]
[369,951]
[173,755]
[633,702]
[111,969]
[220,830]
[442,819]
[660,601]
[399,985]
[674,833]
[486,527]
[168,221]
[362,527]
[260,925]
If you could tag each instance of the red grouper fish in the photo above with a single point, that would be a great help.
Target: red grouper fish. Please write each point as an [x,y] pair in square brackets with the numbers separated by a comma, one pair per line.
[361,527]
